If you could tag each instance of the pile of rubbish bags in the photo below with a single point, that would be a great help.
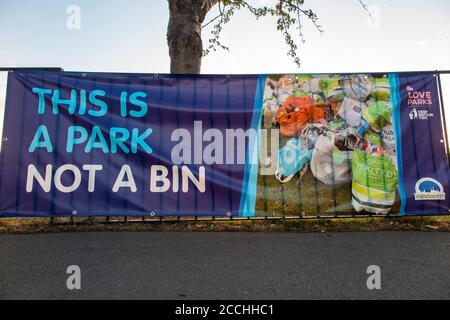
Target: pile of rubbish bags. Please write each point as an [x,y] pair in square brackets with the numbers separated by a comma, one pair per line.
[339,127]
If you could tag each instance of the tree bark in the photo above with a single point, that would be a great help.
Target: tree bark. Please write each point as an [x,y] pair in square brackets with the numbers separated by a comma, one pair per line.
[184,34]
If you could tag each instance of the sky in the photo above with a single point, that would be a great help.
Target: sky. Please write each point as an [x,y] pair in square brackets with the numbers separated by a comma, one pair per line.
[130,36]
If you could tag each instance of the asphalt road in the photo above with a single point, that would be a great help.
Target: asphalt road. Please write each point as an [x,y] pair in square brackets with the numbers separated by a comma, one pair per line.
[156,265]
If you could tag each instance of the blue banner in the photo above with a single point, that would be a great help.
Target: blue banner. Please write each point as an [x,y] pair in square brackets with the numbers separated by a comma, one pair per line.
[108,144]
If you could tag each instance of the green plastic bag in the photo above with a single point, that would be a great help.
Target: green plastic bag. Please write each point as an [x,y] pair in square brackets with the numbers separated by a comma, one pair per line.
[378,115]
[300,93]
[332,89]
[336,125]
[308,84]
[381,90]
[374,181]
[374,138]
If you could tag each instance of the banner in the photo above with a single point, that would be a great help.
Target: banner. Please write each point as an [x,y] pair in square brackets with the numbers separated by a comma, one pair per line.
[104,144]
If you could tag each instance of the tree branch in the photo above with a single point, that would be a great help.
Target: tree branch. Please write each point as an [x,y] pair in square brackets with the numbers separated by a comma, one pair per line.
[364,5]
[289,13]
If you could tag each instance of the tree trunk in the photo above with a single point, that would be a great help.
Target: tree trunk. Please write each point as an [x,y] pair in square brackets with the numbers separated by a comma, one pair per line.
[184,34]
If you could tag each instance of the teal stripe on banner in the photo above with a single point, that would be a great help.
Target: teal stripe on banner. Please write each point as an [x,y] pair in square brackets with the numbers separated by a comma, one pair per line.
[249,187]
[394,82]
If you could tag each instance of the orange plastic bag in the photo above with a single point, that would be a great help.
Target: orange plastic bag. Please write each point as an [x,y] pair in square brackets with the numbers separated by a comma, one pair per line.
[297,112]
[287,115]
[312,113]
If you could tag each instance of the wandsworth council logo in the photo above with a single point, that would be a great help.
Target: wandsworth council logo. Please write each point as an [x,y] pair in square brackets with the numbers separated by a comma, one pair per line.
[429,189]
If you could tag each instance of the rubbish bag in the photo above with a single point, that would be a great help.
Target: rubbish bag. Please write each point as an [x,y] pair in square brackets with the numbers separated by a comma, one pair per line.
[310,134]
[356,87]
[300,93]
[291,159]
[378,115]
[374,181]
[309,84]
[270,102]
[288,114]
[337,124]
[303,86]
[347,139]
[332,89]
[381,89]
[373,138]
[388,143]
[286,87]
[351,111]
[316,110]
[329,164]
[270,111]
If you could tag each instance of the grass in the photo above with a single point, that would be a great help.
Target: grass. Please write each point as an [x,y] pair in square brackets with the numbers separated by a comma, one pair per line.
[43,225]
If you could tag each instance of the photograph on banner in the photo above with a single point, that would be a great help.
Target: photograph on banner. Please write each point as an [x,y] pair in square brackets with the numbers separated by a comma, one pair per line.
[329,144]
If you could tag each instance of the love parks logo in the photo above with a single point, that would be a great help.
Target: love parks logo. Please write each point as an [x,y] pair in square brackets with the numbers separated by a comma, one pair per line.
[419,98]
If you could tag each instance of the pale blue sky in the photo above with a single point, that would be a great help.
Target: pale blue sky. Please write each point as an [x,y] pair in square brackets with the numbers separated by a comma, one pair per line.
[129,35]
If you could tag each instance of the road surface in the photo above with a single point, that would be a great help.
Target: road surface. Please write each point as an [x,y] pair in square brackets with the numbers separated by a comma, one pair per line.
[183,265]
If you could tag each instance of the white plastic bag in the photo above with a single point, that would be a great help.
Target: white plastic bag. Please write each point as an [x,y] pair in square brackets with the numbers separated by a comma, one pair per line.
[329,164]
[388,143]
[357,87]
[351,111]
